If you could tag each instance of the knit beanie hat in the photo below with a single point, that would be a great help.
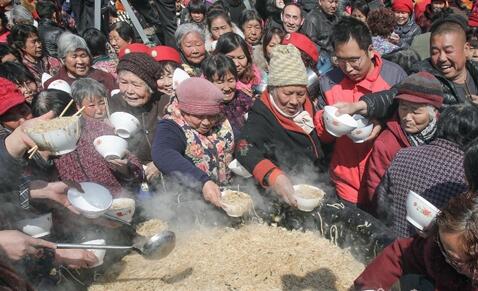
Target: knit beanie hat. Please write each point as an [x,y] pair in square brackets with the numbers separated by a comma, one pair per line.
[421,87]
[303,43]
[163,53]
[142,65]
[286,67]
[10,96]
[402,6]
[198,96]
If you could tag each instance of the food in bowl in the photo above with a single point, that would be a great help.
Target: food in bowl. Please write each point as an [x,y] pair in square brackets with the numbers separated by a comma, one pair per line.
[236,203]
[308,197]
[58,135]
[95,200]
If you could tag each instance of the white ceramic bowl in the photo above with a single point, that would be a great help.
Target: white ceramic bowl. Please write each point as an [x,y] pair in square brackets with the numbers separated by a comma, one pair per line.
[363,130]
[125,124]
[100,254]
[111,147]
[179,76]
[338,125]
[236,209]
[238,169]
[95,201]
[123,208]
[420,212]
[308,197]
[58,135]
[60,85]
[36,227]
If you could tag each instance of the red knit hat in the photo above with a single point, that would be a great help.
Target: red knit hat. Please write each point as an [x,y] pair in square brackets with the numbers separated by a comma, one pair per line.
[133,48]
[402,6]
[473,17]
[10,96]
[198,96]
[163,53]
[303,43]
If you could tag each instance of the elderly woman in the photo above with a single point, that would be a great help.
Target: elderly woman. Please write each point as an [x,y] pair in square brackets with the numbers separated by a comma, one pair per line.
[434,170]
[195,142]
[191,43]
[24,38]
[139,96]
[419,98]
[85,164]
[121,34]
[279,135]
[76,57]
[381,23]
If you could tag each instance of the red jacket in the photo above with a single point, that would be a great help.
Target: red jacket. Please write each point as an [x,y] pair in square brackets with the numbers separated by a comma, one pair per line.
[416,255]
[388,143]
[349,159]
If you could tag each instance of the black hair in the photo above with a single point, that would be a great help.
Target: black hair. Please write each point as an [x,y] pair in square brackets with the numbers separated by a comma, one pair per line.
[165,64]
[296,5]
[458,124]
[248,15]
[16,72]
[472,37]
[19,34]
[268,34]
[197,6]
[347,28]
[52,100]
[448,23]
[231,41]
[213,14]
[45,9]
[470,164]
[361,6]
[218,64]
[96,41]
[5,49]
[4,20]
[124,30]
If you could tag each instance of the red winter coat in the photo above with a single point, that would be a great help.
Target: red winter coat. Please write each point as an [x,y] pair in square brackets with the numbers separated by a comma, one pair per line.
[416,255]
[388,143]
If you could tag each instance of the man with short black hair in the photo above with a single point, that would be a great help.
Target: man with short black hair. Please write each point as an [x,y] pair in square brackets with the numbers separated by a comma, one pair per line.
[292,17]
[319,22]
[48,28]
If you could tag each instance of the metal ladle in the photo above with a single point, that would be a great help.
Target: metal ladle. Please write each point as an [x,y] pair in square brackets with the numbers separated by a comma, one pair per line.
[156,247]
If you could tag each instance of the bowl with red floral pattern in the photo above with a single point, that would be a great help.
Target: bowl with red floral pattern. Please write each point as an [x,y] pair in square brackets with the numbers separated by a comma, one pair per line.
[420,212]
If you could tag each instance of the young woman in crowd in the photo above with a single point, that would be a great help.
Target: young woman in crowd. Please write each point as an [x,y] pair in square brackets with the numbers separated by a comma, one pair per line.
[22,77]
[360,10]
[406,28]
[121,34]
[218,23]
[196,13]
[97,43]
[272,36]
[169,60]
[236,48]
[381,23]
[190,41]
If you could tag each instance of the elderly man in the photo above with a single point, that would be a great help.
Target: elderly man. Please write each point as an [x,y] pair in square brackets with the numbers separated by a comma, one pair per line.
[319,22]
[279,137]
[360,71]
[292,17]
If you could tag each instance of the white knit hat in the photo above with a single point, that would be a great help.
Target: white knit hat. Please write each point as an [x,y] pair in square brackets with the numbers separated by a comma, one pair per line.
[286,67]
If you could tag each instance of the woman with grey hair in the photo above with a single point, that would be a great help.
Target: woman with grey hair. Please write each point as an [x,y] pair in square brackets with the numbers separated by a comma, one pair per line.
[76,58]
[92,95]
[419,98]
[191,43]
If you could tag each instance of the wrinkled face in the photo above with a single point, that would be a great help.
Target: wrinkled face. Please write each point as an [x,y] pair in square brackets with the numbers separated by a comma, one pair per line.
[193,48]
[15,116]
[448,54]
[240,60]
[414,117]
[227,85]
[353,61]
[219,26]
[77,63]
[401,17]
[202,123]
[252,32]
[135,91]
[357,14]
[290,99]
[451,246]
[116,41]
[275,40]
[95,107]
[292,19]
[33,47]
[197,17]
[165,81]
[329,6]
[28,89]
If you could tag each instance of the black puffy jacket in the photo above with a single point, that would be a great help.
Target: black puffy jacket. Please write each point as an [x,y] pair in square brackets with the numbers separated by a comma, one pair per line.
[48,32]
[318,27]
[380,104]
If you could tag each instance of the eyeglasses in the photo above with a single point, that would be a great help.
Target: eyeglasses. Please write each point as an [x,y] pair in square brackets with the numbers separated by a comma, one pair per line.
[354,62]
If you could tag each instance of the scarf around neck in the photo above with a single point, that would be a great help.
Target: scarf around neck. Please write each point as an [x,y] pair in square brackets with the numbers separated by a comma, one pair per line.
[424,136]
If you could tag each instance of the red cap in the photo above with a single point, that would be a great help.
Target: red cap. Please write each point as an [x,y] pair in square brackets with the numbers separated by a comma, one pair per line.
[303,43]
[10,96]
[133,48]
[402,6]
[163,53]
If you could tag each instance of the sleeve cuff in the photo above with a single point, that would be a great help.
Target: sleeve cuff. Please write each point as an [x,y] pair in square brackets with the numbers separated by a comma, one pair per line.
[263,168]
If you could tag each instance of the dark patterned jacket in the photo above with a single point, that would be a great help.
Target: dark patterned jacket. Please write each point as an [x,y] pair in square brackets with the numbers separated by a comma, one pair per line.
[434,171]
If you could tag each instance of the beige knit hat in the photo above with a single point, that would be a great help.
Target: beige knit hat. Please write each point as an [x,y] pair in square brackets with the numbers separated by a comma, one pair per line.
[286,67]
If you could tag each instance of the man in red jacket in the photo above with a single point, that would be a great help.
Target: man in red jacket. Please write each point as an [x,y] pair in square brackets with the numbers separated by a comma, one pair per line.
[360,71]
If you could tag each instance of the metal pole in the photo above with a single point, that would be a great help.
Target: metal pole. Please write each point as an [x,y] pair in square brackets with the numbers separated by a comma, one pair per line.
[97,18]
[135,21]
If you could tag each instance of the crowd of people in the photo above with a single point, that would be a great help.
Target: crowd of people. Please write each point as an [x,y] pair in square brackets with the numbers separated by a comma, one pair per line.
[256,76]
